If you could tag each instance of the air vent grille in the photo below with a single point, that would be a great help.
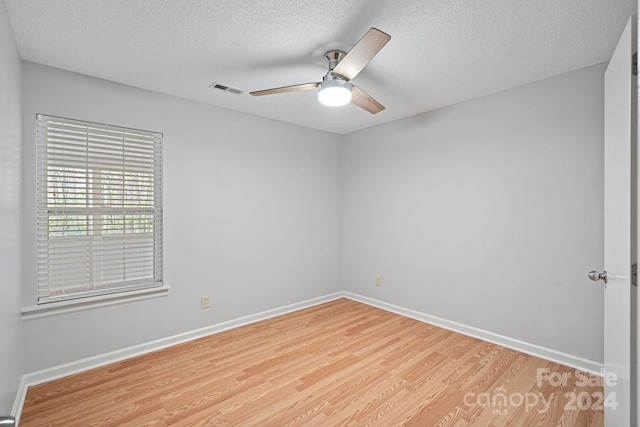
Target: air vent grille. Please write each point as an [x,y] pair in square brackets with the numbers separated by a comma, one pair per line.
[224,88]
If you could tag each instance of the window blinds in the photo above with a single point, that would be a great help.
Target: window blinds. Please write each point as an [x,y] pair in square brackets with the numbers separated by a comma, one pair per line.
[99,209]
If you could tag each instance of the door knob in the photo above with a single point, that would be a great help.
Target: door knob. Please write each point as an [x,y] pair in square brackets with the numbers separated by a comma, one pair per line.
[595,276]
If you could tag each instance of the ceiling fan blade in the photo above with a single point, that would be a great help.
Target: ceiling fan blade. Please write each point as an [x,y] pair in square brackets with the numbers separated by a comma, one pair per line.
[360,55]
[364,101]
[285,89]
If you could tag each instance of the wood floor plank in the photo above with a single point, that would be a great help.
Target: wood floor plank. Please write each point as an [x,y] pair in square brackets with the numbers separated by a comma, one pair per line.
[340,363]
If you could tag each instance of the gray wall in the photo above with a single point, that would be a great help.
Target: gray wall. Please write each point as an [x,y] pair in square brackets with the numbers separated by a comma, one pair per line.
[10,216]
[487,213]
[253,215]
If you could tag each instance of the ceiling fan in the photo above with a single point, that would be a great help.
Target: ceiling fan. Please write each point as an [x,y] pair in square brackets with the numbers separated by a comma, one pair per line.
[336,88]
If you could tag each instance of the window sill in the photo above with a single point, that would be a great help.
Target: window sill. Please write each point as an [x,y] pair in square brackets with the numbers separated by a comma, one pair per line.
[61,307]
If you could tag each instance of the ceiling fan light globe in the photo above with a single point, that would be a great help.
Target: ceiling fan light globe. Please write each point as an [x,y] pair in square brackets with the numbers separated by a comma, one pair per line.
[334,94]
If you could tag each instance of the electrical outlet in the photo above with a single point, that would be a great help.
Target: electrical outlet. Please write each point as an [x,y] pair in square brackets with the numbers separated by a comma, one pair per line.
[204,302]
[379,281]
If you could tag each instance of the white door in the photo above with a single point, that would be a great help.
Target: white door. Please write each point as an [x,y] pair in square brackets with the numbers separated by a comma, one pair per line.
[617,230]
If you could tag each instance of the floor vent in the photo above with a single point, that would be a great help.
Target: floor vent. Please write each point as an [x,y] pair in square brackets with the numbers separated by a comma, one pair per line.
[224,88]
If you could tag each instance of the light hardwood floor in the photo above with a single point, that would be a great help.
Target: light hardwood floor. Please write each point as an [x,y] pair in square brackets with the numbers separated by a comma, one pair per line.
[339,363]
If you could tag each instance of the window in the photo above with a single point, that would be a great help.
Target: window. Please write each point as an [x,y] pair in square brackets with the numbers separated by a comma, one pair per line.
[99,209]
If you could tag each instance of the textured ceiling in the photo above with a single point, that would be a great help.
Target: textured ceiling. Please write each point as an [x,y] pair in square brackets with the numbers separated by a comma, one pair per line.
[441,52]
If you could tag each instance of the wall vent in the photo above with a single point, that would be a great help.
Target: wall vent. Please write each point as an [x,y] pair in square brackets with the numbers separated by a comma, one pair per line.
[224,88]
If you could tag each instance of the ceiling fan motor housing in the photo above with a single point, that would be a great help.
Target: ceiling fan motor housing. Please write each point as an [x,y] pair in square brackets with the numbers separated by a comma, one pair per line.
[334,57]
[334,91]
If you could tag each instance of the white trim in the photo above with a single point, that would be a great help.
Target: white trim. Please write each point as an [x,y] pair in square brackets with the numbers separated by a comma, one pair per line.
[572,361]
[18,403]
[67,306]
[55,372]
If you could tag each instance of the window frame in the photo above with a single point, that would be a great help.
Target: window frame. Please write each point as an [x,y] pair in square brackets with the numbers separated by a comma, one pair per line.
[99,291]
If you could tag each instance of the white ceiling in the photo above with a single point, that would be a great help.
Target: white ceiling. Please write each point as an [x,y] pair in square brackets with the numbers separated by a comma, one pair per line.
[441,52]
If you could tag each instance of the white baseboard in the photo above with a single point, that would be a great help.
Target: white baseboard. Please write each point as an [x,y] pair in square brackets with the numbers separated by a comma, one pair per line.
[16,410]
[576,362]
[55,372]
